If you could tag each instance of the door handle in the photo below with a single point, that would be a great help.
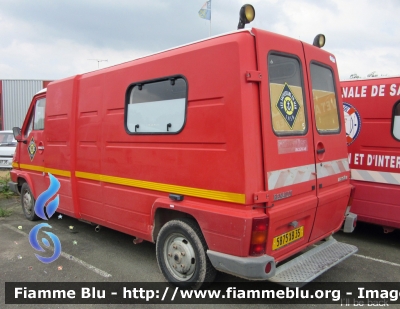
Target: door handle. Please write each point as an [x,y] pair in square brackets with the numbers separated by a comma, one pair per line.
[321,151]
[40,147]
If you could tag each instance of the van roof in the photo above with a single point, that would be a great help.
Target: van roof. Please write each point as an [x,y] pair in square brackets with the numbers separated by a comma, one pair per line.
[368,78]
[249,30]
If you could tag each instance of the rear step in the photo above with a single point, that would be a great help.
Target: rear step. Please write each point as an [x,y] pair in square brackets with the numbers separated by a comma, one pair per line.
[311,264]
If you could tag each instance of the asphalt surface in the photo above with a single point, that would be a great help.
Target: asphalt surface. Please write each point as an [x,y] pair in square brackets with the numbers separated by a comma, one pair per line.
[110,256]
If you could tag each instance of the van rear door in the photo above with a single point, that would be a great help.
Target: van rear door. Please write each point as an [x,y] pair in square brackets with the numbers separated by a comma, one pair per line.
[333,173]
[288,145]
[301,205]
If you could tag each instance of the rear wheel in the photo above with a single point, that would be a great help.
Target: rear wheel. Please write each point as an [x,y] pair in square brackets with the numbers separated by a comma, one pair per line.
[28,203]
[181,254]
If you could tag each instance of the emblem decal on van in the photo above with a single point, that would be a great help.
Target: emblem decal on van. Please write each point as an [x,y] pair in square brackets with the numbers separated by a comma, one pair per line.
[51,208]
[282,195]
[288,106]
[353,122]
[32,149]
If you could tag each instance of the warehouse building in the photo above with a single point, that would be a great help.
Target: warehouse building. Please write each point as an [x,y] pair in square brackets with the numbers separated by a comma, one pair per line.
[15,97]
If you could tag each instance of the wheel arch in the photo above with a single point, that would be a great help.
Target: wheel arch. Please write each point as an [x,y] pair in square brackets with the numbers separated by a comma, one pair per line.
[164,215]
[21,179]
[225,229]
[181,252]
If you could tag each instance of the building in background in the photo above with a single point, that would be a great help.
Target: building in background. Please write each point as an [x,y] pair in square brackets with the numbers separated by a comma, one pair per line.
[15,97]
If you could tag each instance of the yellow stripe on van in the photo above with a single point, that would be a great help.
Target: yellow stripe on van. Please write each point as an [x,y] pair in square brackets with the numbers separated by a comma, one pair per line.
[45,170]
[32,167]
[57,172]
[209,194]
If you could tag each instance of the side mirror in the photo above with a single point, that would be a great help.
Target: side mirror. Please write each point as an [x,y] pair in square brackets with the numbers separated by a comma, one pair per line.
[17,134]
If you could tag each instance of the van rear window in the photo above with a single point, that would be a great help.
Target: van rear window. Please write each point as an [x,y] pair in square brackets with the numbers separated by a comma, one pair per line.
[324,98]
[156,107]
[286,95]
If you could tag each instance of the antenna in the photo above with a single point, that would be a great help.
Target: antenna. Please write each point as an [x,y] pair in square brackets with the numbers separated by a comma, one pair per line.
[98,61]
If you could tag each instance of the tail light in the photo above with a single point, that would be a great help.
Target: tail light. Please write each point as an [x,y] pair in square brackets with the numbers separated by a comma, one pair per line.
[259,233]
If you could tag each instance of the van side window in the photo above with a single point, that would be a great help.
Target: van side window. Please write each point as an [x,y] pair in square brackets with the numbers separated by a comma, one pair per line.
[396,121]
[156,107]
[36,121]
[286,95]
[324,98]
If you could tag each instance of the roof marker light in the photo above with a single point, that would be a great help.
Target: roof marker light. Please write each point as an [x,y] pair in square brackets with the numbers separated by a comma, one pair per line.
[246,15]
[319,40]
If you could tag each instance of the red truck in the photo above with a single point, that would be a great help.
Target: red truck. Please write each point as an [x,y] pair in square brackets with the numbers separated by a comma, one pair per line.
[372,113]
[228,153]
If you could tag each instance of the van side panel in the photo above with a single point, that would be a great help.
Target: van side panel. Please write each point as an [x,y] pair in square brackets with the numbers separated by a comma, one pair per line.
[59,132]
[217,154]
[377,203]
[89,116]
[373,151]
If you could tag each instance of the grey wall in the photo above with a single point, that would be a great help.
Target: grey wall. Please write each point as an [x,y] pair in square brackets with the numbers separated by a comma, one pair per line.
[17,95]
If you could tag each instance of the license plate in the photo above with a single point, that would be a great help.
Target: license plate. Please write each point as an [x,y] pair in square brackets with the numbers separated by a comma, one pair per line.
[287,238]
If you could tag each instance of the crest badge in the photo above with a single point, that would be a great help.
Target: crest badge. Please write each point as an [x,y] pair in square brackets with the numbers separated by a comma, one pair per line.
[32,149]
[288,106]
[353,122]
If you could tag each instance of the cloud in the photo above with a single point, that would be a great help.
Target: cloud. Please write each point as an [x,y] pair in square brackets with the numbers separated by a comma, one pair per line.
[53,39]
[58,59]
[116,24]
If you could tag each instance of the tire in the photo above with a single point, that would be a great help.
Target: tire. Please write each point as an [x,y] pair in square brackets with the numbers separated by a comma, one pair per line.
[181,254]
[28,203]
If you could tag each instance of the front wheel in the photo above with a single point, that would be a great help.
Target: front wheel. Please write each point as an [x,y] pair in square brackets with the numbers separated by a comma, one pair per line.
[28,203]
[181,254]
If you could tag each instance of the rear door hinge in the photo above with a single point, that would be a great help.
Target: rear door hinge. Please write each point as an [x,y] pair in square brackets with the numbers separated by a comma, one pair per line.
[253,76]
[261,197]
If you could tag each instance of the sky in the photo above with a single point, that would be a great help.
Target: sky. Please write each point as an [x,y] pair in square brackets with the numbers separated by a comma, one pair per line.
[54,39]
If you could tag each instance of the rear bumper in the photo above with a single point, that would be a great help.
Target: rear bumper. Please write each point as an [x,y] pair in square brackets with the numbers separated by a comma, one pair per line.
[296,272]
[252,268]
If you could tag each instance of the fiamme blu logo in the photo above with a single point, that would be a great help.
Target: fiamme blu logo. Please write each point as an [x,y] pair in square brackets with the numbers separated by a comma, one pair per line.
[41,212]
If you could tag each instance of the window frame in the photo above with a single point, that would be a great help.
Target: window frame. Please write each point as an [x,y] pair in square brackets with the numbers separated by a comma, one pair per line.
[396,104]
[30,126]
[149,81]
[339,130]
[304,92]
[34,115]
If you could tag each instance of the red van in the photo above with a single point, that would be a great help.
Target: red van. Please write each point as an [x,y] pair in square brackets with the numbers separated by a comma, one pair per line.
[372,115]
[229,153]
